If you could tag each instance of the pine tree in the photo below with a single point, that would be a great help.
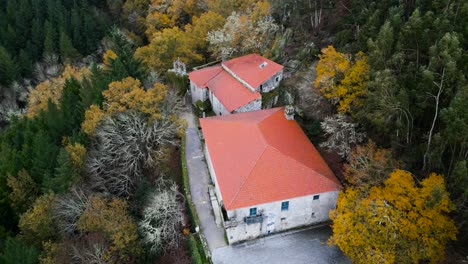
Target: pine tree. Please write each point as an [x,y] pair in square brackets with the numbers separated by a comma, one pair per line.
[9,70]
[50,39]
[71,106]
[67,51]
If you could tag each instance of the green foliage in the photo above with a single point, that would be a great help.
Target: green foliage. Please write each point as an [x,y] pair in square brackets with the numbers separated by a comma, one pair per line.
[203,106]
[416,96]
[194,251]
[268,99]
[9,71]
[67,51]
[181,83]
[125,65]
[16,252]
[30,29]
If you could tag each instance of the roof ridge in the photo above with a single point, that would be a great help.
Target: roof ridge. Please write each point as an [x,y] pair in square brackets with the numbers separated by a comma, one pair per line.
[300,162]
[246,178]
[220,70]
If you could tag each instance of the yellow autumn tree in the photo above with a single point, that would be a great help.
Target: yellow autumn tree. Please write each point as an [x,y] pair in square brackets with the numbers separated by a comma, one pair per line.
[108,56]
[52,89]
[169,13]
[199,28]
[110,216]
[127,94]
[226,7]
[165,47]
[37,224]
[77,154]
[24,191]
[398,222]
[93,116]
[341,79]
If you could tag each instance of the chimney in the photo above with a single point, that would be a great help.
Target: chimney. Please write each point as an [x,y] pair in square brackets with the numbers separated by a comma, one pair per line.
[289,112]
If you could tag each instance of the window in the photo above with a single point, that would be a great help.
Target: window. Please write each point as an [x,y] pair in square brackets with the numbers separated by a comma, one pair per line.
[313,215]
[285,206]
[263,65]
[277,79]
[261,87]
[253,211]
[316,197]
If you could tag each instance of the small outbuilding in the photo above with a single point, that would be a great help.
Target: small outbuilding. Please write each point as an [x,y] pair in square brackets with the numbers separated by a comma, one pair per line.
[268,176]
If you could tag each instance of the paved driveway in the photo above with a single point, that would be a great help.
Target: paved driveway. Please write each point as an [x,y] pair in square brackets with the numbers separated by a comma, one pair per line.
[199,180]
[297,247]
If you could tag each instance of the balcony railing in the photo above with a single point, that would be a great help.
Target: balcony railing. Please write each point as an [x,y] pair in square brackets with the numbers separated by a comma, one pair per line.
[253,219]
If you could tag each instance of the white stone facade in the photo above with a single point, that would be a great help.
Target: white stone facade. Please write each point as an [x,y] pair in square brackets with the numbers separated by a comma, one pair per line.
[198,93]
[217,106]
[302,211]
[271,83]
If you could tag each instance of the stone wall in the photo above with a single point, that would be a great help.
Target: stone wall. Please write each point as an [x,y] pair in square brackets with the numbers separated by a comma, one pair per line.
[271,83]
[217,106]
[198,93]
[252,106]
[302,211]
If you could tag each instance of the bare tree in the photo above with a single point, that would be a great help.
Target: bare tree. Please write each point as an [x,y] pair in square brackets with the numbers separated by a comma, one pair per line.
[125,145]
[162,218]
[69,208]
[342,134]
[94,254]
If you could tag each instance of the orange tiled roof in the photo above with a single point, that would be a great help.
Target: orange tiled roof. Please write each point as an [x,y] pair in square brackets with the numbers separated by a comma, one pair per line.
[261,157]
[249,69]
[230,92]
[202,76]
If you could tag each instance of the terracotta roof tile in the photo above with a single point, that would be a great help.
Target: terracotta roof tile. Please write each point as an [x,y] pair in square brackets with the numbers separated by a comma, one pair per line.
[202,76]
[260,157]
[253,68]
[231,93]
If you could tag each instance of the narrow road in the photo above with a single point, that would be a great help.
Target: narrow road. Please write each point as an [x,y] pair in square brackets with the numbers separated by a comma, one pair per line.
[199,180]
[295,247]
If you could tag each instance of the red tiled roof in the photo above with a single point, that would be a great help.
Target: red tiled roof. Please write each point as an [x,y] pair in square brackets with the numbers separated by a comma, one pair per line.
[202,76]
[230,92]
[260,157]
[248,69]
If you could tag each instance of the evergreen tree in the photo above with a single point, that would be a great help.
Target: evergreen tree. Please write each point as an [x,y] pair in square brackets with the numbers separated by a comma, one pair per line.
[67,51]
[50,38]
[16,252]
[71,106]
[9,70]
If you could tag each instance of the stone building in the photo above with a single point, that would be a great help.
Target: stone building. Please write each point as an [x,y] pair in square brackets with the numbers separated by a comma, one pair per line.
[237,85]
[267,175]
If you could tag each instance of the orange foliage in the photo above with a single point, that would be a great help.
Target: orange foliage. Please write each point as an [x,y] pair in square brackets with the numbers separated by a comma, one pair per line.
[52,89]
[395,223]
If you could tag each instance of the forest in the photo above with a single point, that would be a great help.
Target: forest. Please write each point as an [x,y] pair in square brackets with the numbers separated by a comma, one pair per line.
[91,138]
